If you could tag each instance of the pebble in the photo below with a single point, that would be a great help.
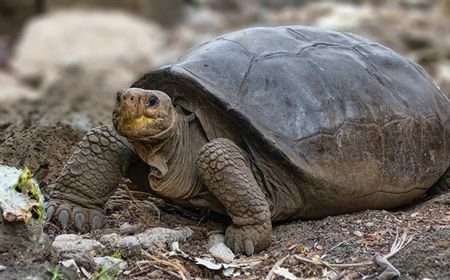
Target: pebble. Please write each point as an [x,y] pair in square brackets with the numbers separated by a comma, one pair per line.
[127,229]
[215,239]
[222,252]
[109,262]
[2,268]
[358,233]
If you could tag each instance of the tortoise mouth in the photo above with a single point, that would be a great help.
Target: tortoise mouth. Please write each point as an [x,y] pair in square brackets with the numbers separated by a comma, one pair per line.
[143,114]
[143,127]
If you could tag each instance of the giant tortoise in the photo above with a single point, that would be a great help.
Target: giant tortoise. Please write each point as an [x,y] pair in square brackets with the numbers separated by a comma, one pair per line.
[268,124]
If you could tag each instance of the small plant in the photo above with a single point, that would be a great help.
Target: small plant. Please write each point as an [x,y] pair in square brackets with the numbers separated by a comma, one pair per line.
[54,273]
[105,273]
[117,255]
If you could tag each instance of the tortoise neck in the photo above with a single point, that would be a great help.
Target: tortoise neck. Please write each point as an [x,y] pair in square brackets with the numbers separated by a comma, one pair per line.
[157,151]
[172,159]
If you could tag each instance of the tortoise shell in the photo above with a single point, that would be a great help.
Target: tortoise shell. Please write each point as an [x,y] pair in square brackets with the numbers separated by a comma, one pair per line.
[341,109]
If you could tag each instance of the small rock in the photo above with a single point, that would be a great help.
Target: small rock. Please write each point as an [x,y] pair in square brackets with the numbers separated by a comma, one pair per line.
[128,229]
[108,262]
[109,239]
[2,268]
[150,240]
[215,239]
[369,224]
[358,233]
[222,252]
[70,264]
[154,238]
[128,246]
[69,244]
[415,214]
[84,261]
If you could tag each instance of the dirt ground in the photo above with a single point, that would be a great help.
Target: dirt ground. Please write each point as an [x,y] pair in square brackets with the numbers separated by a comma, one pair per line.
[347,239]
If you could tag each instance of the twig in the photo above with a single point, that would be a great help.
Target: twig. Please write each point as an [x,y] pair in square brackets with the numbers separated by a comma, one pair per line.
[275,267]
[339,244]
[149,267]
[127,190]
[182,272]
[334,265]
[399,243]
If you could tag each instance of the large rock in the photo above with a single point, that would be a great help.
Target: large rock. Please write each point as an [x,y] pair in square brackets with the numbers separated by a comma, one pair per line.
[114,44]
[12,90]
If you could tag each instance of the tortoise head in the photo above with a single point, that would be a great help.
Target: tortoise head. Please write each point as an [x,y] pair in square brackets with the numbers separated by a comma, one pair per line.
[143,114]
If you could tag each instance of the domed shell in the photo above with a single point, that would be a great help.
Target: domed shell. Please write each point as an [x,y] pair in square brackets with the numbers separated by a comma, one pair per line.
[294,83]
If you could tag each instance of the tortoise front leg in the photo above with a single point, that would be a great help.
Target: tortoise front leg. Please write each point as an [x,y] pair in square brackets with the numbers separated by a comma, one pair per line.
[225,172]
[89,178]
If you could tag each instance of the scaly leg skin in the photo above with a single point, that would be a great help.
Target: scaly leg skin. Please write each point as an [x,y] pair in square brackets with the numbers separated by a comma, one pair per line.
[89,178]
[223,168]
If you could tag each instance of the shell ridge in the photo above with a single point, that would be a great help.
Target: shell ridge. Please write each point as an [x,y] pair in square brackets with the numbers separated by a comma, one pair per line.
[327,87]
[195,48]
[240,45]
[419,69]
[381,125]
[320,44]
[380,78]
[295,32]
[244,79]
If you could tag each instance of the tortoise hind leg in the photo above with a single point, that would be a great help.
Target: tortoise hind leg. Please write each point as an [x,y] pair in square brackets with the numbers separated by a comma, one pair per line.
[441,186]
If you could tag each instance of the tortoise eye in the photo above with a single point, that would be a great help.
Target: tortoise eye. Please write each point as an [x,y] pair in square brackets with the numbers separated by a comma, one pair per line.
[152,101]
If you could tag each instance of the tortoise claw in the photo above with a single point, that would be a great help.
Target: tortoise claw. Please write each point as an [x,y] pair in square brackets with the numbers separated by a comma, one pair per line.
[96,222]
[249,239]
[80,222]
[249,248]
[67,214]
[50,210]
[63,218]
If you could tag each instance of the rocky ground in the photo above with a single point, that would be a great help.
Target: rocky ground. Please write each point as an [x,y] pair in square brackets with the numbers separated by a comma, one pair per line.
[49,99]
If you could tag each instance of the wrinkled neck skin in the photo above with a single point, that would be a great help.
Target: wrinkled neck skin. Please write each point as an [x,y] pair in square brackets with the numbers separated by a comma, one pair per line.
[172,155]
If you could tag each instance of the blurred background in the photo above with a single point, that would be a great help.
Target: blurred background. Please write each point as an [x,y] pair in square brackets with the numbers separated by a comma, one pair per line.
[61,61]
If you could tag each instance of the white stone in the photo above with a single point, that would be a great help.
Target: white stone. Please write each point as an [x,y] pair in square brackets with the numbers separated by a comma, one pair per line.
[109,262]
[222,252]
[150,240]
[214,239]
[70,244]
[154,238]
